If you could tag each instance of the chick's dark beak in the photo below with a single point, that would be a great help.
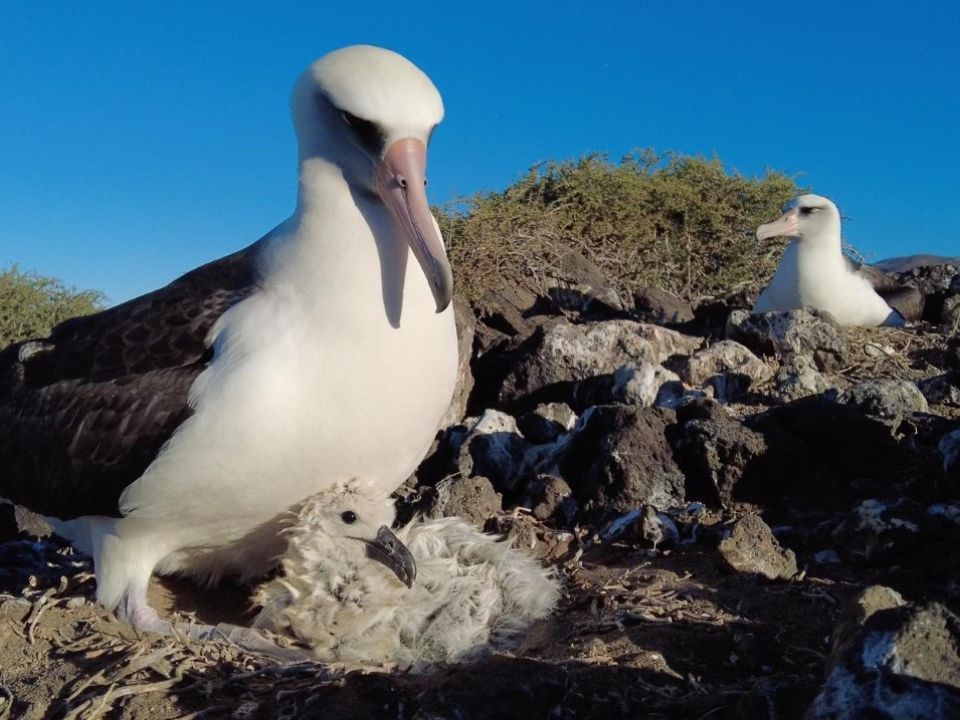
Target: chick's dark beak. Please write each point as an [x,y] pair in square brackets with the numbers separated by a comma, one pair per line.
[388,550]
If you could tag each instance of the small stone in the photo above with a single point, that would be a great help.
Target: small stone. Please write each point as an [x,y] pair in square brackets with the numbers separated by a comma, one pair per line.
[752,548]
[493,447]
[550,497]
[885,398]
[646,384]
[547,422]
[473,499]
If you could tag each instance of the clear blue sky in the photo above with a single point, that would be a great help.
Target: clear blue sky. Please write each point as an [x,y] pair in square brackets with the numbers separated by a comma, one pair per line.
[139,139]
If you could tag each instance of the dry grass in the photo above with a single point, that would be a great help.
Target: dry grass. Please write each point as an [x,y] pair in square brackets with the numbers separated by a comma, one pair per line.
[677,222]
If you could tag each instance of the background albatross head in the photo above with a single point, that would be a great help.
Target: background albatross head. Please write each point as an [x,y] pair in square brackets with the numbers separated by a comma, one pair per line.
[806,217]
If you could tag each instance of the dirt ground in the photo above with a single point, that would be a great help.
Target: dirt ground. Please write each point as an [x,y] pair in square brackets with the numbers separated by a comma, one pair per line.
[640,633]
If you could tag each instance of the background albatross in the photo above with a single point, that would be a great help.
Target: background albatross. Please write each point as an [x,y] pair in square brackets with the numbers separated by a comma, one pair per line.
[814,272]
[175,432]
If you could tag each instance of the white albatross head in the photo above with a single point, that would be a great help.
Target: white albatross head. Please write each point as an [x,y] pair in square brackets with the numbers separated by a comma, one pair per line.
[807,218]
[371,112]
[348,521]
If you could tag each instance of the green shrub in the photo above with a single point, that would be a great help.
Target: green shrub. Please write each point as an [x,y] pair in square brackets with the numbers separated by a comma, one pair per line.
[678,222]
[31,304]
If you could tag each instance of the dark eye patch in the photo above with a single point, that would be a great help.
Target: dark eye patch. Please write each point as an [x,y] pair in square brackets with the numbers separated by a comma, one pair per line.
[808,210]
[370,135]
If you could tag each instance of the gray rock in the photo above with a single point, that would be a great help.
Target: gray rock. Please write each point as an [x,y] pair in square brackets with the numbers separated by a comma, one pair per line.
[931,279]
[492,447]
[661,307]
[751,548]
[646,384]
[903,663]
[473,499]
[466,327]
[617,457]
[560,353]
[727,366]
[547,422]
[550,498]
[812,333]
[797,378]
[885,398]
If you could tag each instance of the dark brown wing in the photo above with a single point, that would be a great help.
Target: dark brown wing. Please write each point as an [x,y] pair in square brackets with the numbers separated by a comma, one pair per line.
[905,299]
[85,411]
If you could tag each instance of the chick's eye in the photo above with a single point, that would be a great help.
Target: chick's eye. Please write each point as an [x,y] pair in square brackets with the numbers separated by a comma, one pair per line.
[349,517]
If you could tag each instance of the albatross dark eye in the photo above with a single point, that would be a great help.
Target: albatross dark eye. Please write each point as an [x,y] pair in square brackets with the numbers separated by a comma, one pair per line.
[348,516]
[808,210]
[369,134]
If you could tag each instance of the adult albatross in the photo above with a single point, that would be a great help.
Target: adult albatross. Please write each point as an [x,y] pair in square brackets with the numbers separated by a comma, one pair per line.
[175,432]
[814,272]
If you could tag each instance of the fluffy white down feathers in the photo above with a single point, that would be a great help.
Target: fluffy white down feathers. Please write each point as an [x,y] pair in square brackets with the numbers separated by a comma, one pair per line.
[472,594]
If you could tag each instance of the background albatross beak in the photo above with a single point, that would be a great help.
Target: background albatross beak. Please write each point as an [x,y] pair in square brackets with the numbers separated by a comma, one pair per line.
[786,225]
[388,549]
[401,177]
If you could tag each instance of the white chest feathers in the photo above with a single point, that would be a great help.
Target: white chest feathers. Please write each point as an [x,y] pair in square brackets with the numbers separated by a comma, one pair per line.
[472,594]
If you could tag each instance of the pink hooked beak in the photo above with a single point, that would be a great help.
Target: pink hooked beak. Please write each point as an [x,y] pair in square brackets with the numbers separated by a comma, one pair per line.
[401,179]
[786,225]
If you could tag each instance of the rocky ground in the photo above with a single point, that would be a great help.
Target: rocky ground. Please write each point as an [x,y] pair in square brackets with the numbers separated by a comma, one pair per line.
[754,517]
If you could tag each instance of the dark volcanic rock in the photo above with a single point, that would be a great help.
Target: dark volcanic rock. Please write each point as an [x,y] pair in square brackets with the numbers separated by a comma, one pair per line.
[949,448]
[941,389]
[8,523]
[809,332]
[547,422]
[952,353]
[492,447]
[617,457]
[904,663]
[752,548]
[724,460]
[472,499]
[885,397]
[938,283]
[855,614]
[550,498]
[850,453]
[661,307]
[573,284]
